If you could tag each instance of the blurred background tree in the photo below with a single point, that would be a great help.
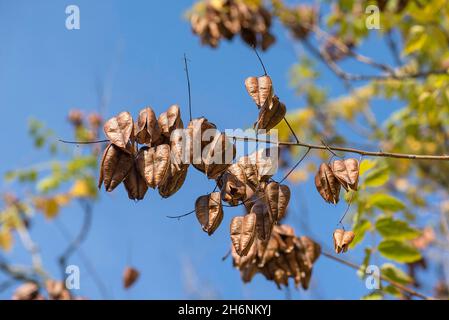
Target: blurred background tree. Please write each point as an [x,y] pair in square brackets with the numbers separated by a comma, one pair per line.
[401,211]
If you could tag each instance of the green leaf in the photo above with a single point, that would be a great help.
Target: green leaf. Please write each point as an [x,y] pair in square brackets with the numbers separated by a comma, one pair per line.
[385,202]
[390,228]
[360,230]
[391,272]
[398,251]
[377,177]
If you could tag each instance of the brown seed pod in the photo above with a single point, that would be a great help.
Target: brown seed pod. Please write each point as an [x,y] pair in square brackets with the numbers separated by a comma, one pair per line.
[240,262]
[278,197]
[270,115]
[153,164]
[120,129]
[264,223]
[269,251]
[243,231]
[313,249]
[179,148]
[201,133]
[130,276]
[170,120]
[327,184]
[209,211]
[115,166]
[57,290]
[342,239]
[219,156]
[147,128]
[255,168]
[174,180]
[347,172]
[27,291]
[260,89]
[135,184]
[232,189]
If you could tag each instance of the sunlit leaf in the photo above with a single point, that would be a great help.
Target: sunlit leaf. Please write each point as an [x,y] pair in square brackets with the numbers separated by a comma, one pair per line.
[398,251]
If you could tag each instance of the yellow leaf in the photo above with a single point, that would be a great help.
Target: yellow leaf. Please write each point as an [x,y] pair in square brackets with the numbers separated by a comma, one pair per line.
[62,199]
[82,189]
[49,206]
[6,239]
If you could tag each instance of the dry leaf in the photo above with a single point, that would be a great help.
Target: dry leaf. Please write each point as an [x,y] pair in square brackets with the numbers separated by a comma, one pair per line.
[327,184]
[119,129]
[209,211]
[243,230]
[347,172]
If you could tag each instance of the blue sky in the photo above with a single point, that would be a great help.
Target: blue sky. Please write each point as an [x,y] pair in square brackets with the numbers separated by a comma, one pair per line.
[135,50]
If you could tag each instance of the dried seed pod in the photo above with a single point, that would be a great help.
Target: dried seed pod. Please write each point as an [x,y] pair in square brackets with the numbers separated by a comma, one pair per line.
[270,115]
[130,276]
[232,189]
[170,120]
[278,197]
[327,184]
[264,223]
[179,144]
[201,133]
[240,262]
[313,249]
[347,172]
[243,231]
[173,182]
[135,184]
[153,164]
[342,239]
[27,291]
[115,166]
[270,250]
[147,128]
[256,168]
[209,211]
[260,89]
[219,156]
[57,290]
[119,130]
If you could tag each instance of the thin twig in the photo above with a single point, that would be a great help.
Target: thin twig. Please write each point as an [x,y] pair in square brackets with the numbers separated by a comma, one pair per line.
[83,142]
[291,130]
[393,283]
[188,85]
[260,60]
[296,164]
[352,150]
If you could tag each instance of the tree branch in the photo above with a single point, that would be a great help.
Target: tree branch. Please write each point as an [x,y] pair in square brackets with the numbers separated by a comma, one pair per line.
[350,150]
